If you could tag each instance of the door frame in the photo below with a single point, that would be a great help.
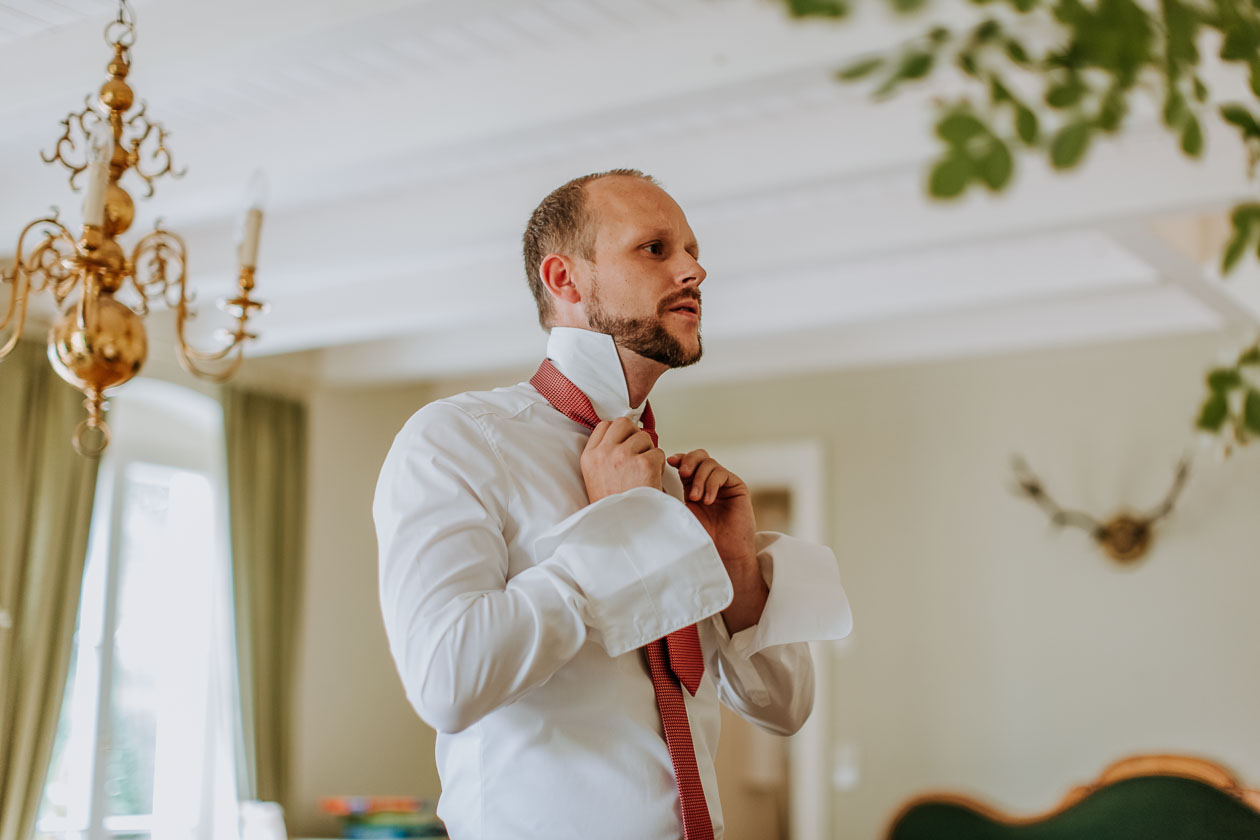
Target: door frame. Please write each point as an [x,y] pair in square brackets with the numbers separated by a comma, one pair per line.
[799,466]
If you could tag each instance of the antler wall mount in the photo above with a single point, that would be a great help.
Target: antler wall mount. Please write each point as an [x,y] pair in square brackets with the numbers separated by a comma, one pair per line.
[1126,536]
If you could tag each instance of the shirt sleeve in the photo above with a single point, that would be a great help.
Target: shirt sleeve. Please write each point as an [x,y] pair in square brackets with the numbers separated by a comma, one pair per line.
[765,671]
[466,637]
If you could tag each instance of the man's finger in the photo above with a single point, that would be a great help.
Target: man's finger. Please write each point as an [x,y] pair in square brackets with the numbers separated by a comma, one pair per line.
[597,434]
[690,461]
[715,482]
[699,477]
[655,453]
[620,429]
[639,443]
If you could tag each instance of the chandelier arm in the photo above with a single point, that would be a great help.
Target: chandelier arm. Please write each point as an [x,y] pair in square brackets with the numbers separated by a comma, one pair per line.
[134,120]
[30,275]
[239,336]
[65,143]
[163,250]
[17,305]
[189,356]
[159,157]
[157,242]
[195,355]
[190,364]
[62,234]
[46,266]
[20,281]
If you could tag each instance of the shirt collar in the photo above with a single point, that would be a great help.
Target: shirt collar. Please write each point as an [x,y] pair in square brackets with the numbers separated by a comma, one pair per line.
[590,361]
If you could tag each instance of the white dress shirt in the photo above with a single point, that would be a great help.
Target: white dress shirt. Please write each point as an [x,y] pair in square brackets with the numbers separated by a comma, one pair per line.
[515,609]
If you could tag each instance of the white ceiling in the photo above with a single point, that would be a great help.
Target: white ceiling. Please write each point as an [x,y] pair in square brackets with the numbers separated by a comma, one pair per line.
[24,18]
[406,143]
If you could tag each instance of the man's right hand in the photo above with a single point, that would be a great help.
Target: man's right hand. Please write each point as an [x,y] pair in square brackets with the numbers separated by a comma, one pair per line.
[620,456]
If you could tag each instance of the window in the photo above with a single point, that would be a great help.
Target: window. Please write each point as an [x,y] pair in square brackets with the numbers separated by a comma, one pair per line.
[146,744]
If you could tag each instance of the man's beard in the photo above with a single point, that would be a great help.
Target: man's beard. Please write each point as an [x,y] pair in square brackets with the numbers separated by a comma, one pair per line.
[645,336]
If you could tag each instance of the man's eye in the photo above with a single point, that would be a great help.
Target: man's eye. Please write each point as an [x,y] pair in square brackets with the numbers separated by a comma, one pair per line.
[655,248]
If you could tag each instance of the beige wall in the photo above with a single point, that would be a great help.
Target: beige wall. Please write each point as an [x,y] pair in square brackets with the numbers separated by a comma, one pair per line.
[990,655]
[354,731]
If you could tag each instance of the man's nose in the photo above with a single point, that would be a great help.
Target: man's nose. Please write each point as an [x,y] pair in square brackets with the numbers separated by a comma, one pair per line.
[692,273]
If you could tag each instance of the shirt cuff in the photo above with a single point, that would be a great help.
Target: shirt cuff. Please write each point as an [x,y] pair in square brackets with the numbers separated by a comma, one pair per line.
[643,564]
[806,601]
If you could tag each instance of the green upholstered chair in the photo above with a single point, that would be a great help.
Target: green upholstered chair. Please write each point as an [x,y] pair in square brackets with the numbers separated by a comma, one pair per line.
[1155,797]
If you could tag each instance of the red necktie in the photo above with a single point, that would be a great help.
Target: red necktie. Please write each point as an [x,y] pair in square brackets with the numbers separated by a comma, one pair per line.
[675,659]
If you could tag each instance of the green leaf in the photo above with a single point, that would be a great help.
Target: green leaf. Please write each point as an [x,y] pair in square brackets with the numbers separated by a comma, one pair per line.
[1233,251]
[1026,125]
[1115,36]
[1241,41]
[996,167]
[1069,145]
[1071,12]
[1245,219]
[1223,380]
[819,8]
[1212,415]
[1251,411]
[916,65]
[1192,137]
[1181,24]
[968,64]
[1235,114]
[1254,78]
[1065,95]
[987,30]
[913,65]
[1017,52]
[860,69]
[1250,356]
[998,92]
[1247,214]
[1200,90]
[951,176]
[959,127]
[1112,111]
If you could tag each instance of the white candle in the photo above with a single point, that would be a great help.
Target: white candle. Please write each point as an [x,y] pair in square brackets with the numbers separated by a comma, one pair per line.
[255,198]
[100,150]
[249,240]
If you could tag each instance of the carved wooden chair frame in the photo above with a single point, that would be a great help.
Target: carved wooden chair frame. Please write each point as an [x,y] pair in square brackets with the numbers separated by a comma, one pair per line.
[1181,766]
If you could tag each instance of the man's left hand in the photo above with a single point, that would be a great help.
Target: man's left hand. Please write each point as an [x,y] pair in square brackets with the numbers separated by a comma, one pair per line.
[722,503]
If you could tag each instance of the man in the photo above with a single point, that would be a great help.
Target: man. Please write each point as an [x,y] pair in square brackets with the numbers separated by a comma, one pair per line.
[557,611]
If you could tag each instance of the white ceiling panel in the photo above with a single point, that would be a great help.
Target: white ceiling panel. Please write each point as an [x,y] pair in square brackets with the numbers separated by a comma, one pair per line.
[26,18]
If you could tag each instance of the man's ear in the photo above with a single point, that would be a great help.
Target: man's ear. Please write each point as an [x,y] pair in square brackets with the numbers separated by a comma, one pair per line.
[556,272]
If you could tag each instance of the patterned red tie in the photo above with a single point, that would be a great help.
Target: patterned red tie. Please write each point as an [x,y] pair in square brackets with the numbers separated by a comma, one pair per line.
[675,659]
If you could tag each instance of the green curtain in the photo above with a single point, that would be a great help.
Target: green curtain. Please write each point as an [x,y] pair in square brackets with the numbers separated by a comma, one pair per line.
[45,512]
[266,454]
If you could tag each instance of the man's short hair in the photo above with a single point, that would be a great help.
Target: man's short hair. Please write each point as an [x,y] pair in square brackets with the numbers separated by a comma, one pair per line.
[561,224]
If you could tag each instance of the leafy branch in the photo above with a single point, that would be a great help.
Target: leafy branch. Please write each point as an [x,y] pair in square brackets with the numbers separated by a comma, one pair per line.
[1232,408]
[1050,77]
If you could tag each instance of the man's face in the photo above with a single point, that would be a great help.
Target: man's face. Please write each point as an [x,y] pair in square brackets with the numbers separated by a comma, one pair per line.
[643,286]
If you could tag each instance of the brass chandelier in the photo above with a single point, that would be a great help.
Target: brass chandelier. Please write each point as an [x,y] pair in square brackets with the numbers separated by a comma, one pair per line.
[98,340]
